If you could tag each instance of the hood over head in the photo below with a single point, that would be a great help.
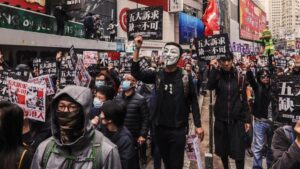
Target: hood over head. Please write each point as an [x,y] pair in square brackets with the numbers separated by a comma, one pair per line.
[83,97]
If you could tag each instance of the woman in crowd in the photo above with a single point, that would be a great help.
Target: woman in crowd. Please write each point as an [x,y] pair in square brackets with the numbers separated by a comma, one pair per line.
[13,154]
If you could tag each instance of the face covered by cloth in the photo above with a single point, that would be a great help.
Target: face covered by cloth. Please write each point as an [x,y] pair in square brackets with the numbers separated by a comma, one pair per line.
[70,119]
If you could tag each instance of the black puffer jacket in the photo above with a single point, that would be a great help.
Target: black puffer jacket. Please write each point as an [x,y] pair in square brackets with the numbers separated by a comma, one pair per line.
[137,116]
[231,102]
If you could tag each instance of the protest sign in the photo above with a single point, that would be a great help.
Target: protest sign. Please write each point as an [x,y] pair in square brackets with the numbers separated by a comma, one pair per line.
[66,72]
[192,149]
[125,64]
[287,98]
[147,22]
[45,66]
[3,85]
[30,97]
[114,58]
[90,58]
[46,81]
[103,59]
[82,77]
[214,46]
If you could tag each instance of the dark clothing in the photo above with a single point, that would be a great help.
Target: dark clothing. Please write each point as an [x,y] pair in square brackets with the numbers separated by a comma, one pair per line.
[20,157]
[94,112]
[137,115]
[171,143]
[61,17]
[262,97]
[89,26]
[26,160]
[285,151]
[125,143]
[229,139]
[181,102]
[231,101]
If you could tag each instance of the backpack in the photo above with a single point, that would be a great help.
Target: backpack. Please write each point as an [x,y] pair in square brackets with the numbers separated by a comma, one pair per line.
[22,158]
[95,155]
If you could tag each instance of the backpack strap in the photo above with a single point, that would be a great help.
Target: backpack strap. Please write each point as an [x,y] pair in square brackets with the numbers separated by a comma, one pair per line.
[22,158]
[47,153]
[288,131]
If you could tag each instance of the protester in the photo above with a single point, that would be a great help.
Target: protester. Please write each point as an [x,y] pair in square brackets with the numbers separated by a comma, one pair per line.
[112,120]
[232,118]
[286,147]
[13,154]
[61,16]
[74,142]
[112,31]
[103,93]
[88,24]
[262,111]
[170,117]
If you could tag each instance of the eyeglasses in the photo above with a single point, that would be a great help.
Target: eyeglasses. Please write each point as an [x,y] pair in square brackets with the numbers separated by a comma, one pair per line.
[264,76]
[70,108]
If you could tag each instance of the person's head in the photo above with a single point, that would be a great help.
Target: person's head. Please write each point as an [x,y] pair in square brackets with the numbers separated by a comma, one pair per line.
[70,108]
[226,62]
[129,83]
[263,77]
[101,79]
[11,125]
[188,67]
[172,52]
[112,113]
[111,21]
[103,93]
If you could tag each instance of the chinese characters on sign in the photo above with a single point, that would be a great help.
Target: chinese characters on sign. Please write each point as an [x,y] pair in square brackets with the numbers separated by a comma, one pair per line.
[147,22]
[287,97]
[217,45]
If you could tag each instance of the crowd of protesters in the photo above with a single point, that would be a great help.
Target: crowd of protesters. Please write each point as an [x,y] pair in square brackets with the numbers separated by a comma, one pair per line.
[108,124]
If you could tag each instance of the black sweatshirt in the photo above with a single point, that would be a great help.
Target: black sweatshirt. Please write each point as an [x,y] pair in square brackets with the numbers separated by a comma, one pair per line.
[172,106]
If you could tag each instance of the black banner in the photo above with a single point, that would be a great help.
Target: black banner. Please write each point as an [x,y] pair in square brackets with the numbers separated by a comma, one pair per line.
[147,22]
[67,72]
[287,98]
[45,67]
[214,46]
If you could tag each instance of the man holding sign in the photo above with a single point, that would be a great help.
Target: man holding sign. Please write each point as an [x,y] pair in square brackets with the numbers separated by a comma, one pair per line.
[174,95]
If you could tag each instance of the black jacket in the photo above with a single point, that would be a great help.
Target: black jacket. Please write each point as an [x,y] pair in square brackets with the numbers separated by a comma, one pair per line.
[231,101]
[126,147]
[182,108]
[262,97]
[286,153]
[137,115]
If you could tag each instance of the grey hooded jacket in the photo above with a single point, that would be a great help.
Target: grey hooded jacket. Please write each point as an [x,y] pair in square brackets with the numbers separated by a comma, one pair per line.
[81,148]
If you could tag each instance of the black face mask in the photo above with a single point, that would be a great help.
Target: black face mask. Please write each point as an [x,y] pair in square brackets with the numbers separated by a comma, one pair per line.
[71,125]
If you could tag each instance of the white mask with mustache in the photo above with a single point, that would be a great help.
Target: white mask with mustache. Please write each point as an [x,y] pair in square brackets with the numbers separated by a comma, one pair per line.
[171,55]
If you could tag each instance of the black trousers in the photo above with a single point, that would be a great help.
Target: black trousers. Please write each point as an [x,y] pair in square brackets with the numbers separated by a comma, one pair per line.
[60,28]
[171,144]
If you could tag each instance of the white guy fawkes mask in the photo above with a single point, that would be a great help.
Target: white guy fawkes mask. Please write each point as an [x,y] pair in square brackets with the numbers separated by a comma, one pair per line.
[171,54]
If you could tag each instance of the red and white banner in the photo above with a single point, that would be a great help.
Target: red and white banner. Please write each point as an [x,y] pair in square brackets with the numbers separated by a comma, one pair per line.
[211,18]
[90,58]
[82,76]
[30,97]
[44,81]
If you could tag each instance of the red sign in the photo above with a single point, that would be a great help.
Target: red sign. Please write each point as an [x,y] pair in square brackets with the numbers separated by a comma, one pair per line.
[252,20]
[34,5]
[163,3]
[123,19]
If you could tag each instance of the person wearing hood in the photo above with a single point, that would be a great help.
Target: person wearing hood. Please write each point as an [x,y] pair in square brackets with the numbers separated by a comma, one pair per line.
[75,143]
[231,111]
[175,99]
[112,126]
[262,112]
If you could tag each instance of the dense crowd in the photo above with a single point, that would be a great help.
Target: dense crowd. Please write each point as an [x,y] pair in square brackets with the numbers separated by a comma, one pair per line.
[108,124]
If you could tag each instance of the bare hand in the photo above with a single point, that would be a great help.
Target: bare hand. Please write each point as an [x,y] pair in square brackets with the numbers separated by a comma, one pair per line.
[214,63]
[247,127]
[58,56]
[297,131]
[138,41]
[141,140]
[200,133]
[95,121]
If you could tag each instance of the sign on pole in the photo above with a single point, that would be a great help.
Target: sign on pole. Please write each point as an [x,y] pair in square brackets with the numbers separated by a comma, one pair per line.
[147,22]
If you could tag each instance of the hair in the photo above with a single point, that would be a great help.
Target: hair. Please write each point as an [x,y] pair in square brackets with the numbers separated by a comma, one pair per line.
[107,91]
[11,120]
[114,111]
[177,45]
[260,73]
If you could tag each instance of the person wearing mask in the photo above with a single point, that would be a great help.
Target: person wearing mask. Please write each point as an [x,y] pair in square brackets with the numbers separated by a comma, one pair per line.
[232,118]
[262,112]
[13,154]
[286,147]
[103,93]
[74,142]
[112,31]
[174,98]
[108,78]
[112,120]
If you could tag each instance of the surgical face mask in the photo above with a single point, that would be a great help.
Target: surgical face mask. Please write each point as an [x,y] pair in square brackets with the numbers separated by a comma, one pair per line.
[126,85]
[99,83]
[171,55]
[97,103]
[71,125]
